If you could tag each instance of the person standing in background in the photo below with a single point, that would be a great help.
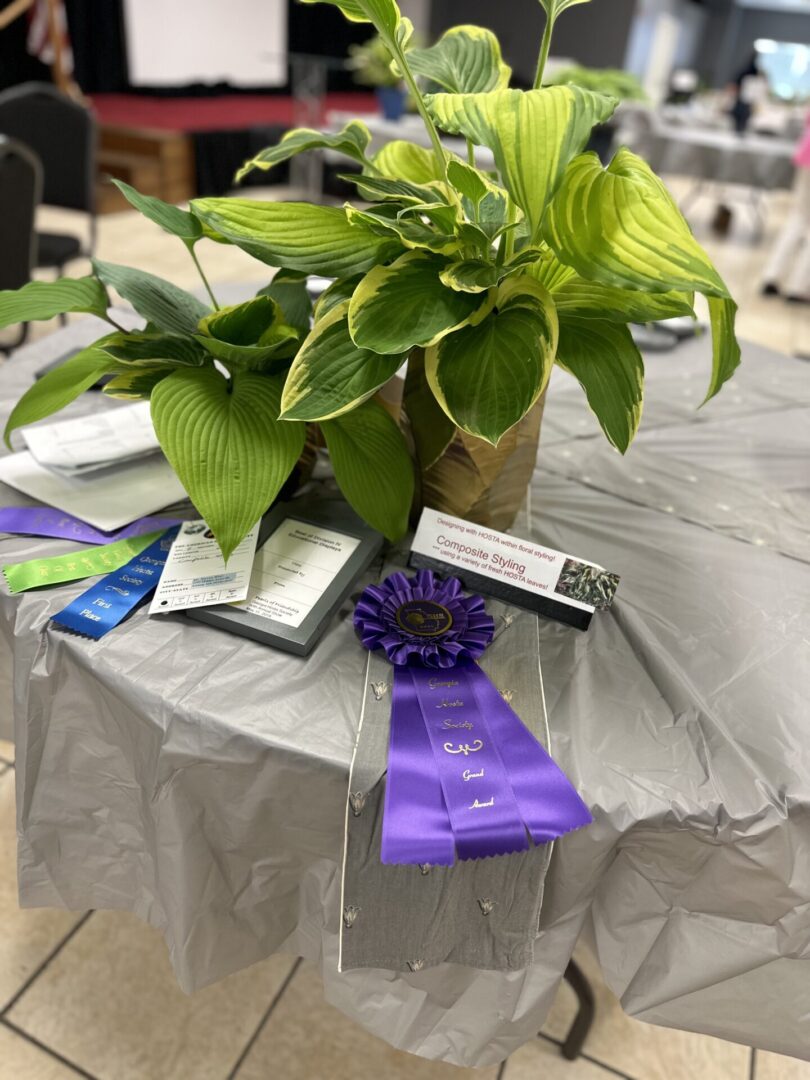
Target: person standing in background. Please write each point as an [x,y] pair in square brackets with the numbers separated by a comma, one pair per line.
[788,269]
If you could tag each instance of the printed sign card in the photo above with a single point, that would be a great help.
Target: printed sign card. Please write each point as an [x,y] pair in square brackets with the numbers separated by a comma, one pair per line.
[196,575]
[518,571]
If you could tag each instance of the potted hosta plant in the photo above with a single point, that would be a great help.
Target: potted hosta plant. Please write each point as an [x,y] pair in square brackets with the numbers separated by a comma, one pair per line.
[481,279]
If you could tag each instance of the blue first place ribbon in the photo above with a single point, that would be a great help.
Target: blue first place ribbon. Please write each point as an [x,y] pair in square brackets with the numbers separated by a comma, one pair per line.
[107,603]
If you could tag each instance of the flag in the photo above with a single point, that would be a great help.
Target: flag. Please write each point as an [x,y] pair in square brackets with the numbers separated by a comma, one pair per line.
[39,43]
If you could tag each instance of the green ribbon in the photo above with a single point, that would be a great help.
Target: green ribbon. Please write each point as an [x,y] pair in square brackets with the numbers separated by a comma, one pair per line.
[76,564]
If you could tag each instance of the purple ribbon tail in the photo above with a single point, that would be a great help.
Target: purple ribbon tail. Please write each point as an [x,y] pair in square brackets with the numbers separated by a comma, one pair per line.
[549,804]
[47,522]
[416,828]
[465,776]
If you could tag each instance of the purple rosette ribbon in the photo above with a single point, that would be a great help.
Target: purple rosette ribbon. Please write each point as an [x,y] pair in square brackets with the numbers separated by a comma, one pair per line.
[466,778]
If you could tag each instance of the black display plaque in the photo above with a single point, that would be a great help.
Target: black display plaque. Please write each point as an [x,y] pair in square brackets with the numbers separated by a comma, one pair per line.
[322,513]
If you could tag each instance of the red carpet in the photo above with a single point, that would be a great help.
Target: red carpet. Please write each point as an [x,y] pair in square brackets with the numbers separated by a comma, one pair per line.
[234,111]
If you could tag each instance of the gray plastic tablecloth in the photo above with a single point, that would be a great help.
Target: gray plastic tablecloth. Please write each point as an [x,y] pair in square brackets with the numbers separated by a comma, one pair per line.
[199,779]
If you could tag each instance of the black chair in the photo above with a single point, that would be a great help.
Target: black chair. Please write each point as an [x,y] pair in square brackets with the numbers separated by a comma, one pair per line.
[63,135]
[20,192]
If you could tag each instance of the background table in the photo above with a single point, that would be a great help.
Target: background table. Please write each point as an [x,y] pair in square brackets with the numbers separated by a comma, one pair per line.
[199,779]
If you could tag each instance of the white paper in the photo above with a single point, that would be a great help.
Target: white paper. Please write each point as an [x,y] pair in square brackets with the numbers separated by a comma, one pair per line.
[293,568]
[496,555]
[196,575]
[107,500]
[94,441]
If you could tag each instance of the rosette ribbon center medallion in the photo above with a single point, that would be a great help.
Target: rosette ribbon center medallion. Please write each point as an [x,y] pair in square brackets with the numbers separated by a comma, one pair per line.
[466,778]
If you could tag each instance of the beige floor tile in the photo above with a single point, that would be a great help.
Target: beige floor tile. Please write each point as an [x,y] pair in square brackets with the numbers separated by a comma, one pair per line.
[777,1067]
[541,1060]
[26,937]
[20,1060]
[110,1003]
[641,1050]
[6,751]
[306,1039]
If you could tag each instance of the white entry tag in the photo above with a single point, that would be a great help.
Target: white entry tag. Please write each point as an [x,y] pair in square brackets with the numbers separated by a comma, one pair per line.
[196,575]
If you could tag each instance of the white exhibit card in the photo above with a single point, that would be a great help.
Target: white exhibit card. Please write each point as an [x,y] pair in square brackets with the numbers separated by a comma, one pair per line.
[94,441]
[106,500]
[196,575]
[513,563]
[293,568]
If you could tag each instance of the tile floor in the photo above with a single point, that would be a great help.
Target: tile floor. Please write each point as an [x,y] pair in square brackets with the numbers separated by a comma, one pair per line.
[93,995]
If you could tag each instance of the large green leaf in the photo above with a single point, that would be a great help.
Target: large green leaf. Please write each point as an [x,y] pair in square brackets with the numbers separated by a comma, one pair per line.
[384,14]
[401,160]
[487,377]
[725,350]
[224,440]
[330,375]
[170,218]
[603,357]
[44,299]
[372,466]
[352,141]
[289,290]
[247,335]
[395,307]
[533,134]
[298,236]
[465,60]
[620,226]
[157,300]
[59,387]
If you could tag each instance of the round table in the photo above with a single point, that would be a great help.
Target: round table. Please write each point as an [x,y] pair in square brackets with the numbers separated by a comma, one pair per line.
[199,779]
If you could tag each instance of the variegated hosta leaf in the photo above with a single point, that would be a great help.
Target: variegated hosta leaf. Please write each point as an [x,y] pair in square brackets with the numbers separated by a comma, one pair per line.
[465,60]
[44,299]
[372,466]
[470,275]
[405,304]
[620,226]
[725,350]
[554,7]
[144,349]
[402,160]
[384,14]
[533,134]
[603,357]
[484,202]
[137,384]
[352,141]
[335,294]
[224,440]
[412,233]
[299,236]
[249,335]
[330,375]
[487,377]
[376,188]
[582,299]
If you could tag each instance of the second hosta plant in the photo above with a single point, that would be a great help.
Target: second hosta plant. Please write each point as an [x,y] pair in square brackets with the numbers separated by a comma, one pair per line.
[485,278]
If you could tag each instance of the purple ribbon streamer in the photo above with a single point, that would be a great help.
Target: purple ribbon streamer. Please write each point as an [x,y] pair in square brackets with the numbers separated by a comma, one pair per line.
[466,778]
[45,521]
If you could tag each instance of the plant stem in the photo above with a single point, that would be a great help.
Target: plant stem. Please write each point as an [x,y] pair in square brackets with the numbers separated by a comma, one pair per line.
[545,44]
[407,74]
[193,254]
[470,153]
[117,326]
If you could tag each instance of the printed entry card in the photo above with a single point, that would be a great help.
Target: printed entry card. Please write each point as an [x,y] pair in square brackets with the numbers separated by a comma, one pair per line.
[293,569]
[196,575]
